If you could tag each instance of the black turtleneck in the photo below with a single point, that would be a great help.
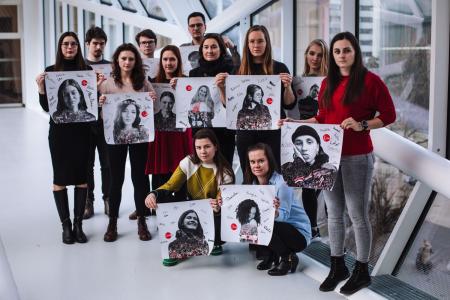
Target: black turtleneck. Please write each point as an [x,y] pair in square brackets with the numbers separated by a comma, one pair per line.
[212,68]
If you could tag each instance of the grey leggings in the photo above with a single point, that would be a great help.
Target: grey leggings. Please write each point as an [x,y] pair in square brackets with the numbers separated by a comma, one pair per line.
[352,189]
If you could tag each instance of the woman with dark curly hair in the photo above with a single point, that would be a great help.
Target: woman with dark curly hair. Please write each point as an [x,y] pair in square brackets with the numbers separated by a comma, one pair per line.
[249,216]
[254,114]
[127,128]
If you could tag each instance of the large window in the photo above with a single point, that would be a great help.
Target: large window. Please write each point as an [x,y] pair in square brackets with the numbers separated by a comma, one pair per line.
[153,9]
[234,35]
[270,17]
[395,39]
[215,7]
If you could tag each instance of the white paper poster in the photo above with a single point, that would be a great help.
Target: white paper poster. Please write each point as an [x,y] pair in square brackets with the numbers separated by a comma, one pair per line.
[151,66]
[198,103]
[247,213]
[306,90]
[253,102]
[185,228]
[128,118]
[72,96]
[164,107]
[190,56]
[310,154]
[104,69]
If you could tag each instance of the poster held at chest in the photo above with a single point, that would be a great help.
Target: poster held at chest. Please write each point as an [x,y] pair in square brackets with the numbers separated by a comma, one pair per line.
[164,107]
[310,154]
[104,69]
[253,102]
[306,91]
[128,118]
[247,213]
[151,66]
[72,96]
[198,103]
[185,228]
[190,56]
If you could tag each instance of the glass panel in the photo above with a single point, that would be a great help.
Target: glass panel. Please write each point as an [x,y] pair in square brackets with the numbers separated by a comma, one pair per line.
[271,18]
[233,34]
[395,38]
[215,7]
[315,19]
[128,5]
[73,21]
[10,73]
[108,2]
[89,19]
[427,264]
[8,18]
[153,9]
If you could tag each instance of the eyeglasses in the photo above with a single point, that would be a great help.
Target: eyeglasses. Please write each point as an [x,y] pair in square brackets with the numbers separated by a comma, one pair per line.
[196,25]
[67,44]
[147,43]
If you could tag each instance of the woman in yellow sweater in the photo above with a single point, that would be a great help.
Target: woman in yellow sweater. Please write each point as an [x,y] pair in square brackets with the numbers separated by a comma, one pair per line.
[198,176]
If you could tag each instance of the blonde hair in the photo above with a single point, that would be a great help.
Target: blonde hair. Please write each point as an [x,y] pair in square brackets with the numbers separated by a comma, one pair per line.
[323,71]
[247,57]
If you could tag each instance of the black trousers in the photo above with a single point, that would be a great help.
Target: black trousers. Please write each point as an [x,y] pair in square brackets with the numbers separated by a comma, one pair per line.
[285,240]
[98,141]
[138,158]
[247,138]
[309,199]
[227,141]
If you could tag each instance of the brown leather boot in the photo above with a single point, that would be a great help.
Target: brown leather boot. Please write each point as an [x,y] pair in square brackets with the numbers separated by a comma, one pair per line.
[111,231]
[88,209]
[144,234]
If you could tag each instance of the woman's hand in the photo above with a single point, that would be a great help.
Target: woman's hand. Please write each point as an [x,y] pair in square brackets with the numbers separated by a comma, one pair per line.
[101,100]
[40,79]
[350,123]
[150,201]
[281,122]
[220,80]
[286,80]
[153,95]
[173,83]
[276,204]
[100,79]
[216,204]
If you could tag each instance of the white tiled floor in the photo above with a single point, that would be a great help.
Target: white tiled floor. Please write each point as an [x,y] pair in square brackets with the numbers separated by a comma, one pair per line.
[44,268]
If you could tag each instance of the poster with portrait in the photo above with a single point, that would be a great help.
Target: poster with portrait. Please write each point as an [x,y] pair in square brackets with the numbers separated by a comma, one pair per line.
[185,228]
[247,213]
[198,103]
[128,118]
[190,56]
[151,66]
[72,96]
[310,154]
[253,102]
[306,90]
[164,108]
[104,69]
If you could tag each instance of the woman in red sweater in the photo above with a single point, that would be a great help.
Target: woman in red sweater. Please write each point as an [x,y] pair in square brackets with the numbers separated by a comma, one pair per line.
[351,96]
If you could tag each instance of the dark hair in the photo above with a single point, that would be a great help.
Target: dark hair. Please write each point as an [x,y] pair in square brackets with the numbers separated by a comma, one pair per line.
[249,178]
[357,73]
[324,63]
[251,89]
[243,211]
[223,167]
[95,33]
[59,65]
[314,87]
[146,33]
[168,94]
[61,106]
[137,75]
[247,58]
[196,14]
[118,122]
[197,232]
[219,40]
[302,130]
[161,75]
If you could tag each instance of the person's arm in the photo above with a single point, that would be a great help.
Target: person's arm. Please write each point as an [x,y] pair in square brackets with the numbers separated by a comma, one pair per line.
[288,93]
[175,182]
[285,195]
[220,83]
[235,57]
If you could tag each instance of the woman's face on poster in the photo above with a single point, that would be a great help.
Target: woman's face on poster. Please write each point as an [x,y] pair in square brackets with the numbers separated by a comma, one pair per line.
[257,43]
[169,62]
[166,104]
[257,95]
[202,93]
[126,61]
[69,47]
[308,147]
[71,97]
[129,114]
[252,213]
[211,50]
[191,221]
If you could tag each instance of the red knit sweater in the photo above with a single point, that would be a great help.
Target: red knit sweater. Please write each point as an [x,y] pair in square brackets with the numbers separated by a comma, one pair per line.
[374,98]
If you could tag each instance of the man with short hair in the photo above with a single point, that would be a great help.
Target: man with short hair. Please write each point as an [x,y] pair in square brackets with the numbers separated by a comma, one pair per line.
[95,42]
[146,40]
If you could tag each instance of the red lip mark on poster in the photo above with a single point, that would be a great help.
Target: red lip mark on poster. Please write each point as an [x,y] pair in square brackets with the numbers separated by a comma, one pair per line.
[188,88]
[84,82]
[233,226]
[269,101]
[144,114]
[326,137]
[168,235]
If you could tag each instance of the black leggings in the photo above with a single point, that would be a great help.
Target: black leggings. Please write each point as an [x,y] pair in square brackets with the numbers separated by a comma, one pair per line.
[138,158]
[285,240]
[309,199]
[98,141]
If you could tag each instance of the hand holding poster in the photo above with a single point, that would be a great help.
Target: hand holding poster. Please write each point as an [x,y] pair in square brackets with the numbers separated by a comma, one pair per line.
[253,102]
[310,154]
[189,56]
[151,66]
[72,96]
[247,213]
[165,118]
[128,118]
[185,228]
[198,103]
[104,69]
[306,91]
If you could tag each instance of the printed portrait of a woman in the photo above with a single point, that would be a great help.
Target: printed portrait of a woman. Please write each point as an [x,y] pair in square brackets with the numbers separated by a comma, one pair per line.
[127,124]
[254,114]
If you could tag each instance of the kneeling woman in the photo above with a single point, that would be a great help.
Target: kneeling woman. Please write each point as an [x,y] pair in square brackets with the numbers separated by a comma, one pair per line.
[292,230]
[200,174]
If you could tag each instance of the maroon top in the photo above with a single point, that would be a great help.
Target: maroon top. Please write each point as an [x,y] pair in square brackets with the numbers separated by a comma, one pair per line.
[374,98]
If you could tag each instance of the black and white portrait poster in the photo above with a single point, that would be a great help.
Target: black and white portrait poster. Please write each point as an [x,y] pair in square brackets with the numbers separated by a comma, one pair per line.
[247,213]
[151,66]
[185,228]
[128,118]
[198,103]
[306,91]
[164,108]
[104,69]
[190,56]
[310,154]
[72,96]
[253,102]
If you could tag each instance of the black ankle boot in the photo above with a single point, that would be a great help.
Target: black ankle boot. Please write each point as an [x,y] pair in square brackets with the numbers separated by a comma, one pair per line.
[287,263]
[62,205]
[78,209]
[360,279]
[338,273]
[267,262]
[111,231]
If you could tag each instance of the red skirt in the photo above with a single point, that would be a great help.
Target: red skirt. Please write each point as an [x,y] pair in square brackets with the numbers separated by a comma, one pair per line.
[167,150]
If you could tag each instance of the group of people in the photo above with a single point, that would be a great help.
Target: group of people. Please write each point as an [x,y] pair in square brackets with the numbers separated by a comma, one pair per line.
[191,164]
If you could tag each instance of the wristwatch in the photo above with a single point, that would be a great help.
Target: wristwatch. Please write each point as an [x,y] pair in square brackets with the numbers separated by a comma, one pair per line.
[364,125]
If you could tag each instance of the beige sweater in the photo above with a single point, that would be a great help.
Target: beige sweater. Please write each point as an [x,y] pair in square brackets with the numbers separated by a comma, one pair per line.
[109,87]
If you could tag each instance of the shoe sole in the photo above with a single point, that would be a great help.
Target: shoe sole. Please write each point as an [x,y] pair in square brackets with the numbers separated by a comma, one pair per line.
[347,293]
[330,290]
